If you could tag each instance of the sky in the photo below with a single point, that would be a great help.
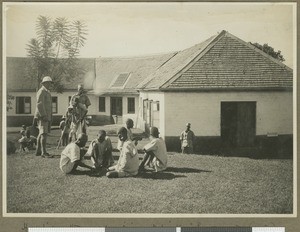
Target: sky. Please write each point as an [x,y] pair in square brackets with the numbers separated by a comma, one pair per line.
[133,29]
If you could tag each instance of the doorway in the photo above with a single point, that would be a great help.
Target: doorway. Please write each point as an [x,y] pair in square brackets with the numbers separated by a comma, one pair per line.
[238,123]
[116,106]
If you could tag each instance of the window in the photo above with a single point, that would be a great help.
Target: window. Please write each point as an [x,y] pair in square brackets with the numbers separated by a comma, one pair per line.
[131,105]
[101,104]
[23,105]
[156,106]
[54,105]
[121,80]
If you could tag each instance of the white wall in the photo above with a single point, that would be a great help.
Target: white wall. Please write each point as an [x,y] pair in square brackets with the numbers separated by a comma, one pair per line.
[12,112]
[62,102]
[94,109]
[274,111]
[127,115]
[156,96]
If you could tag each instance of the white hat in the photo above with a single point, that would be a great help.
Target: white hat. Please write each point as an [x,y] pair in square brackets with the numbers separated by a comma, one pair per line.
[46,79]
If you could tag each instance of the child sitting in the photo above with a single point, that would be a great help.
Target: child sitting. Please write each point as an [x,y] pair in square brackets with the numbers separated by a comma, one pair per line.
[24,140]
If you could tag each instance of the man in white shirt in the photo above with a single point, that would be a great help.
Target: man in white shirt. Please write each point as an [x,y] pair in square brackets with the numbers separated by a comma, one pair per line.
[128,163]
[72,154]
[155,153]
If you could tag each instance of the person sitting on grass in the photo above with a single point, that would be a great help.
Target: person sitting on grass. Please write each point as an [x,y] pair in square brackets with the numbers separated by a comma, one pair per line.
[72,155]
[155,153]
[129,125]
[100,150]
[128,163]
[24,140]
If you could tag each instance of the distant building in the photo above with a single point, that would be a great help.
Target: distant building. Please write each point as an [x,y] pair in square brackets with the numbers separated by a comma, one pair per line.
[23,89]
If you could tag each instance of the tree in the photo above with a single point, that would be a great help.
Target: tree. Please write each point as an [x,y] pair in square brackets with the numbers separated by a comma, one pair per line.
[270,51]
[55,50]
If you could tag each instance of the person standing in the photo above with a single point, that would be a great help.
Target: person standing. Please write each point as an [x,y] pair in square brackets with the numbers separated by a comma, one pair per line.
[43,115]
[71,119]
[80,101]
[187,139]
[64,125]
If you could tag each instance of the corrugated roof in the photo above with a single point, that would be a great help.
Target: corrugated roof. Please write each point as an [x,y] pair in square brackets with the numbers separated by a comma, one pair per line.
[17,77]
[221,62]
[108,69]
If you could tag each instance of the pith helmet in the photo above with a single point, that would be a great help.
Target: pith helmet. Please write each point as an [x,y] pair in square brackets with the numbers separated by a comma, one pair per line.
[46,79]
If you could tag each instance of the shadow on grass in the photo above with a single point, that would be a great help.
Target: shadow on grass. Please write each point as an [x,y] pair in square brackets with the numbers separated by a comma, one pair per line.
[185,170]
[159,175]
[82,173]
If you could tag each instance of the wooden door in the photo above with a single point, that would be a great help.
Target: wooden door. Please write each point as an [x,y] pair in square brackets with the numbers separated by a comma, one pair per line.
[238,123]
[246,124]
[116,106]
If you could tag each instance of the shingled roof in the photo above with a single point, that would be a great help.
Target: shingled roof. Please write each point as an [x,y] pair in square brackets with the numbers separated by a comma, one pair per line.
[136,69]
[18,80]
[222,62]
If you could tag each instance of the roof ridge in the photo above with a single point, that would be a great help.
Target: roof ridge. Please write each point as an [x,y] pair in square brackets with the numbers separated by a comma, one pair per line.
[137,56]
[259,51]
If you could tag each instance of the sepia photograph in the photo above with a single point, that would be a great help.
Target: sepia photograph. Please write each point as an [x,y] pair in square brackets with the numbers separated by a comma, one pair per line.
[149,109]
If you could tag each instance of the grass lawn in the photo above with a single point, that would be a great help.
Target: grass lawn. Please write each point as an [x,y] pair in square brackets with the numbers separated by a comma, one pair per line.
[197,184]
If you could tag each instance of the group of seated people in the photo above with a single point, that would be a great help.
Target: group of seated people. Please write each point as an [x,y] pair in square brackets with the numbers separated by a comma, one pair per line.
[100,151]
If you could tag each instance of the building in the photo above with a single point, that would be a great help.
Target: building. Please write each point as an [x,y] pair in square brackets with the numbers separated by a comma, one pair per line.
[116,84]
[232,93]
[235,96]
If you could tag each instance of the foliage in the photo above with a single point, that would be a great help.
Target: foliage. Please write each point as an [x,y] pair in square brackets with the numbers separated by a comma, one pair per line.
[270,51]
[55,50]
[9,99]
